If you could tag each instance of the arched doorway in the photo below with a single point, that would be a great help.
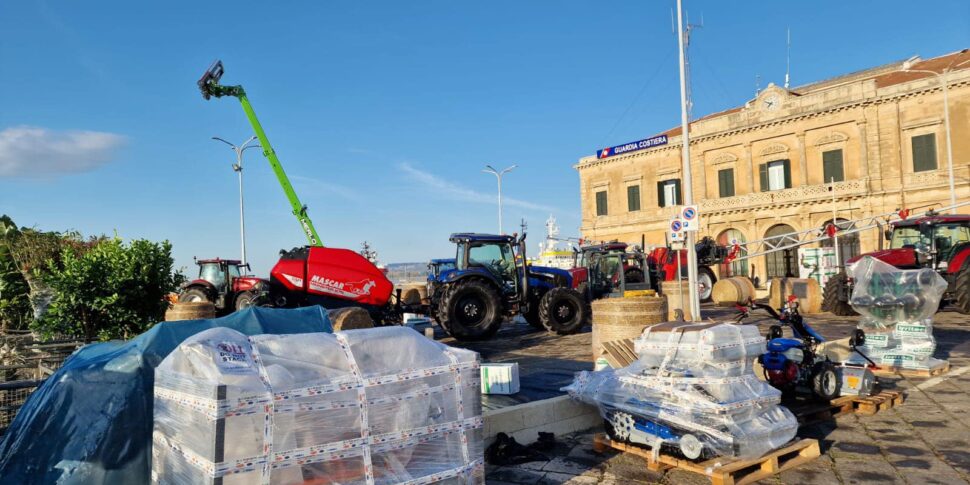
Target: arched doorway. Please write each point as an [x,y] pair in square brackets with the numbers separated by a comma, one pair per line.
[848,244]
[730,237]
[780,264]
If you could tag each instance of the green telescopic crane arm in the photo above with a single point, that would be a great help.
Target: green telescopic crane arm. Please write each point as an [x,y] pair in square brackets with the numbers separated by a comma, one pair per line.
[209,85]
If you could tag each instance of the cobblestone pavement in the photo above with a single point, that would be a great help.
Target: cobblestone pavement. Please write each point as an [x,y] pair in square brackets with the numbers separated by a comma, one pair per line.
[924,441]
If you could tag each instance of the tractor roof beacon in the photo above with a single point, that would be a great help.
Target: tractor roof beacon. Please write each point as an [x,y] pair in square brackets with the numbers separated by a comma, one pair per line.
[936,241]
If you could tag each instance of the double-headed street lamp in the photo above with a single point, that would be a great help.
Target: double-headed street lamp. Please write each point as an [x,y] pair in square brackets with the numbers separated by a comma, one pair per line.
[237,167]
[498,175]
[946,120]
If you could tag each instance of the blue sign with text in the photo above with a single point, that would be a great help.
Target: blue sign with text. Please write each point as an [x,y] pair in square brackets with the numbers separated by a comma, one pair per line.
[632,146]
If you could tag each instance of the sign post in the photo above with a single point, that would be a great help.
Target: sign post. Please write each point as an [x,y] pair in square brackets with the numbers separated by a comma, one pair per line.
[695,304]
[691,218]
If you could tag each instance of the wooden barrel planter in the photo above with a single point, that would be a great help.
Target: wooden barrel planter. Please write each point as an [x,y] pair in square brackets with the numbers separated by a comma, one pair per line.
[729,291]
[623,318]
[349,318]
[672,291]
[808,291]
[192,310]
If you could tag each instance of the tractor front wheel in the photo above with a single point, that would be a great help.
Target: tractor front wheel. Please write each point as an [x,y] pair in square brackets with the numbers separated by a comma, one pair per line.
[705,283]
[961,291]
[832,300]
[564,311]
[193,295]
[470,310]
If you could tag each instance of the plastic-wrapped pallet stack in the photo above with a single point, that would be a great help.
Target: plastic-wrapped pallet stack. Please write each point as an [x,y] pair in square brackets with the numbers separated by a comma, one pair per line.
[692,391]
[897,308]
[383,406]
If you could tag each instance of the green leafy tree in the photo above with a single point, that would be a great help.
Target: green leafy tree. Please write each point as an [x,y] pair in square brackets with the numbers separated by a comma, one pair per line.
[15,310]
[111,290]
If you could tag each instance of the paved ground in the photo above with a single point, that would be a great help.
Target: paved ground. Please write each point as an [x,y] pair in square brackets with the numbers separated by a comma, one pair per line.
[924,441]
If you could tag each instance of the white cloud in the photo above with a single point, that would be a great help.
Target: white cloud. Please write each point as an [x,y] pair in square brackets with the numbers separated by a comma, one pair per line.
[27,151]
[454,191]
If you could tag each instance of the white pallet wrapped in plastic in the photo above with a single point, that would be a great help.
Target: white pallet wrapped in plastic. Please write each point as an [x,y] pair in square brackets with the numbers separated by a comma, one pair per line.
[897,308]
[693,392]
[374,406]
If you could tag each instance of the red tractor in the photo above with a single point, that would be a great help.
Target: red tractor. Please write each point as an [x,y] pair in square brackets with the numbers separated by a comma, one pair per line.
[597,268]
[221,281]
[940,242]
[663,265]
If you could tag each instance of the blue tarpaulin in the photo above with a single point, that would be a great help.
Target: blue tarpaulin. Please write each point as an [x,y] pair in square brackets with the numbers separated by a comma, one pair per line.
[91,422]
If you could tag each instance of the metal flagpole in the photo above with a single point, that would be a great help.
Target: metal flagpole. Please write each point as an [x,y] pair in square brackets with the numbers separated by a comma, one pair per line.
[695,306]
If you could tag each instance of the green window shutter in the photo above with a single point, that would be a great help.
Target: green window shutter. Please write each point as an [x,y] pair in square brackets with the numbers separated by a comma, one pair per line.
[633,198]
[763,175]
[787,165]
[725,182]
[678,196]
[660,194]
[924,152]
[832,167]
[601,209]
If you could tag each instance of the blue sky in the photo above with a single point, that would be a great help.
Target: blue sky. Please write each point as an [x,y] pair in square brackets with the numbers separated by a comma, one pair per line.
[383,113]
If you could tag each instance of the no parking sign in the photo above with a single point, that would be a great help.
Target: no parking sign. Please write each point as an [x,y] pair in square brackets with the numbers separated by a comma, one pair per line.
[676,230]
[690,218]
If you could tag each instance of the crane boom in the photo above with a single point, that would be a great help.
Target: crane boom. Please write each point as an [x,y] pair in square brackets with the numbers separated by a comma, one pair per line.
[209,85]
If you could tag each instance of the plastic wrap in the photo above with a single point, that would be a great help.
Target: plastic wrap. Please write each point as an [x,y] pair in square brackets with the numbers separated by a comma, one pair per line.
[91,422]
[897,308]
[691,391]
[382,405]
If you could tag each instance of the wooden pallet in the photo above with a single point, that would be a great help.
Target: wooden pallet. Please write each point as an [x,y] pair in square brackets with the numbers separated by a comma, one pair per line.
[813,411]
[620,353]
[723,471]
[942,368]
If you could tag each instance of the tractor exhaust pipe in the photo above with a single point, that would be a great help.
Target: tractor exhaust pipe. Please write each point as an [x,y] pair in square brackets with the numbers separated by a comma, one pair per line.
[525,271]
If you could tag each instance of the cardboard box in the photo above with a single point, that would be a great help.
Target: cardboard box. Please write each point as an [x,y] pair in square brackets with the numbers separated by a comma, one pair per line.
[500,378]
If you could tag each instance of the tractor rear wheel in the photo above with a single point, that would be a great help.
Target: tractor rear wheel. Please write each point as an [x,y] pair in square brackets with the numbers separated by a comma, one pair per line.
[961,291]
[245,300]
[470,310]
[564,311]
[832,296]
[194,295]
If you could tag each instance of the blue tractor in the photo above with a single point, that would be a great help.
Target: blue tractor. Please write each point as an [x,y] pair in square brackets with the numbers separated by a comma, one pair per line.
[490,283]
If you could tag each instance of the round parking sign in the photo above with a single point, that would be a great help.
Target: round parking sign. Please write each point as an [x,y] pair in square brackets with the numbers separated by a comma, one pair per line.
[676,226]
[690,213]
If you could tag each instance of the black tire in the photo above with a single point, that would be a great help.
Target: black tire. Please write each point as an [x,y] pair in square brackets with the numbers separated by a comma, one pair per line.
[564,311]
[470,310]
[705,283]
[831,296]
[825,381]
[245,300]
[532,317]
[633,275]
[194,294]
[961,291]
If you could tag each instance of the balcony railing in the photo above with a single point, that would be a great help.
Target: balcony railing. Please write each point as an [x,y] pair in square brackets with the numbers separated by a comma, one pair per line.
[804,193]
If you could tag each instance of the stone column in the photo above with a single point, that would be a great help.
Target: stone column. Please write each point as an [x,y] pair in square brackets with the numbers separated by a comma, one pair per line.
[802,159]
[863,153]
[702,179]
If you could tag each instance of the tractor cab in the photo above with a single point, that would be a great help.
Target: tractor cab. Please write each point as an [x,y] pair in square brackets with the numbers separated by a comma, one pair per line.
[219,272]
[493,255]
[928,241]
[610,269]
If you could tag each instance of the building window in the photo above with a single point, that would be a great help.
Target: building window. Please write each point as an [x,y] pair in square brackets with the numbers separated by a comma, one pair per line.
[924,153]
[633,198]
[832,166]
[725,182]
[775,175]
[668,193]
[601,209]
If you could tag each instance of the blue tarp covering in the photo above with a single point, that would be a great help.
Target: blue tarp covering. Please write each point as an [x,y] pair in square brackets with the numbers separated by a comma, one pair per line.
[91,422]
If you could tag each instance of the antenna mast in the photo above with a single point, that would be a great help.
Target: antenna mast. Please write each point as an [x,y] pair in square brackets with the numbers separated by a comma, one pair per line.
[788,59]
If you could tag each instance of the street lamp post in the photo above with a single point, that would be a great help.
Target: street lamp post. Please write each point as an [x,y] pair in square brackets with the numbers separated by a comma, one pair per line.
[946,122]
[237,167]
[498,175]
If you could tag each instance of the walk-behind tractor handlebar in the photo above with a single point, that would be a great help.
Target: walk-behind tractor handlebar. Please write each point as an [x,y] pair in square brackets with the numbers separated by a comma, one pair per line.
[209,85]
